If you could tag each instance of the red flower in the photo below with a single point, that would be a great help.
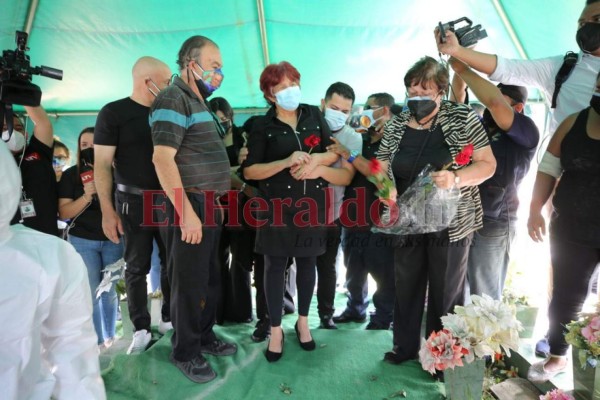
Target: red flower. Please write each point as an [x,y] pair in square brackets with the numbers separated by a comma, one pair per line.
[312,141]
[375,167]
[464,156]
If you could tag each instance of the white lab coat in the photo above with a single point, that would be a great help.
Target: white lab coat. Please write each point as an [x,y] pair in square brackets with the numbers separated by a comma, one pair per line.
[48,346]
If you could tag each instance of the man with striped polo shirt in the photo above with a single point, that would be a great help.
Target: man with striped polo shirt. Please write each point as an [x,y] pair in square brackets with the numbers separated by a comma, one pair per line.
[192,167]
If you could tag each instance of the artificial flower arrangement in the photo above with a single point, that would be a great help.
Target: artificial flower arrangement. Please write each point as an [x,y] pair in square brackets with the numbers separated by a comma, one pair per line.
[485,327]
[584,334]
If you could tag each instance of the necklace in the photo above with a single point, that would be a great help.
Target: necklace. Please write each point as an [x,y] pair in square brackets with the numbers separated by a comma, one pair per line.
[421,126]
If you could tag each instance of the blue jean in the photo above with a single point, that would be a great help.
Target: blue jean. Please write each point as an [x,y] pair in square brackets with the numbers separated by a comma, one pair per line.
[155,268]
[97,254]
[489,257]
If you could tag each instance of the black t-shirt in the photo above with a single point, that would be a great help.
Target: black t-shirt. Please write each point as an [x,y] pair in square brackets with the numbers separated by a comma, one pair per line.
[125,124]
[39,185]
[513,151]
[416,149]
[88,225]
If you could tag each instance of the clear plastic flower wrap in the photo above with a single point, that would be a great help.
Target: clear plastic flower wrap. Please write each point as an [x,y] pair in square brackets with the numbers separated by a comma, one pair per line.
[422,208]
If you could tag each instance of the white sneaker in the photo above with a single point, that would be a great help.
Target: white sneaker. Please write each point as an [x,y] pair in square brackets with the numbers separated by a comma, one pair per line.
[164,327]
[140,341]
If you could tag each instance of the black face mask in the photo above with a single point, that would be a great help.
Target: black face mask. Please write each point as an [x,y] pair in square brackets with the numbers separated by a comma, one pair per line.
[203,89]
[421,108]
[588,37]
[87,156]
[595,103]
[226,125]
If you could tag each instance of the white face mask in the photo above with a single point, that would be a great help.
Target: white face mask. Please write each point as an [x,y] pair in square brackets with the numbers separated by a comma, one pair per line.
[289,98]
[335,119]
[16,141]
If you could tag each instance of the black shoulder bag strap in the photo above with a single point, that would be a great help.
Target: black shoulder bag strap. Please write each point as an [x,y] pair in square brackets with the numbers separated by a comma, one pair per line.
[565,70]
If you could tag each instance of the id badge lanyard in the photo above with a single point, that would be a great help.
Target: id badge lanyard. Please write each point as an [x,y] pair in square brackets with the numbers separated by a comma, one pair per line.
[26,206]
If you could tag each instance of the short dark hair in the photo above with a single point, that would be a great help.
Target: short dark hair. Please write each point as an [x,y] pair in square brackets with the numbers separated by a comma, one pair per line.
[341,88]
[220,104]
[588,2]
[190,49]
[60,145]
[382,99]
[428,69]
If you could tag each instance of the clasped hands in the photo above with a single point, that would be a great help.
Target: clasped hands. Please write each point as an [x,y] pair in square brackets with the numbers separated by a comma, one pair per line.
[302,165]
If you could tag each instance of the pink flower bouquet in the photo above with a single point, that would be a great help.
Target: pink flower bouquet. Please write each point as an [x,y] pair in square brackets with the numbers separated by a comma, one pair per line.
[585,336]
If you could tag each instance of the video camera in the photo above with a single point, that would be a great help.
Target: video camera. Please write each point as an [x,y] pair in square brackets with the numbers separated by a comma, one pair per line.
[467,35]
[16,73]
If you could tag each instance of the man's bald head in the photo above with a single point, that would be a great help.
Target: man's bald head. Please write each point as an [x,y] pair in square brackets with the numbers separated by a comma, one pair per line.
[146,66]
[150,76]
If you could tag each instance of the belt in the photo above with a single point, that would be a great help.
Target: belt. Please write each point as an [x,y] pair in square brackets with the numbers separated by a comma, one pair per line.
[130,189]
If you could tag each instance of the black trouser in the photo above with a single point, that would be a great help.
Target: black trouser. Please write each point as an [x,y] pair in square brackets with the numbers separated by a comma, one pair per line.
[572,267]
[235,300]
[194,274]
[138,242]
[369,253]
[326,273]
[275,283]
[419,260]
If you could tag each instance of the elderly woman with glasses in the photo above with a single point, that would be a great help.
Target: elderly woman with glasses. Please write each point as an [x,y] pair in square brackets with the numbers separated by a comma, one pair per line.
[433,131]
[287,155]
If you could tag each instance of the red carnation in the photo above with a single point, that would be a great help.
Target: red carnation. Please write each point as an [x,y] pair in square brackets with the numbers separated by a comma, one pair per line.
[312,141]
[464,156]
[375,167]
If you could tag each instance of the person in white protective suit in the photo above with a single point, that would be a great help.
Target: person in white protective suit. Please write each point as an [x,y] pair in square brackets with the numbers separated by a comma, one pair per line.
[48,347]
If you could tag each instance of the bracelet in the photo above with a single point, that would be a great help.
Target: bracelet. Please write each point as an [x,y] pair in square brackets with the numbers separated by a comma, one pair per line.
[85,198]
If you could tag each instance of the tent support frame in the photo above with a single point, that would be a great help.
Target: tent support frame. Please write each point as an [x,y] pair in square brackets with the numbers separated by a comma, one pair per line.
[263,31]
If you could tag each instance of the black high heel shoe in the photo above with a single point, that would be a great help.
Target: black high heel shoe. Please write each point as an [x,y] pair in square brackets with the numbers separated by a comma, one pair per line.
[273,356]
[308,346]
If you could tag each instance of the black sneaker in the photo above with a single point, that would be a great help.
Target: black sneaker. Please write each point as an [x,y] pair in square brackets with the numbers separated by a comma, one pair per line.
[219,348]
[262,331]
[375,326]
[197,369]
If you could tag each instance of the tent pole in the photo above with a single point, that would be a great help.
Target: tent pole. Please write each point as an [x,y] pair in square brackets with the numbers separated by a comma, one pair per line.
[510,29]
[263,31]
[33,5]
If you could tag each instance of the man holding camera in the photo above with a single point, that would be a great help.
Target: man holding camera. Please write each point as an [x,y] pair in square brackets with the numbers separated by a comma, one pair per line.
[122,137]
[576,91]
[514,139]
[38,204]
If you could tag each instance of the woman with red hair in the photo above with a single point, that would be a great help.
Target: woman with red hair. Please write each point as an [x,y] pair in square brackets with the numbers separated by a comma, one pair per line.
[287,155]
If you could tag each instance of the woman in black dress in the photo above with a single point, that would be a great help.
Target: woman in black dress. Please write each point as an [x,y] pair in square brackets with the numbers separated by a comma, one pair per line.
[286,153]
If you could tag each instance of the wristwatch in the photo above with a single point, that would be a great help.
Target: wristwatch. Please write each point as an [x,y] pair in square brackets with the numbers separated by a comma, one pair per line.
[353,155]
[456,179]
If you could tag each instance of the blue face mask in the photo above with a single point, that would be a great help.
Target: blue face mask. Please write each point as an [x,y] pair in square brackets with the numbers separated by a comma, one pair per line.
[335,119]
[289,98]
[205,86]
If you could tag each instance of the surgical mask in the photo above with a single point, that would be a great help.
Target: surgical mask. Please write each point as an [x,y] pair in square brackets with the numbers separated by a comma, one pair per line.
[335,119]
[420,107]
[364,120]
[595,102]
[152,91]
[16,142]
[87,156]
[588,37]
[289,98]
[205,86]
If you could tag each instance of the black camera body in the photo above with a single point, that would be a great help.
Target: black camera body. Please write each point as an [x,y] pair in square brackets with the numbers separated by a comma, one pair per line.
[16,73]
[467,35]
